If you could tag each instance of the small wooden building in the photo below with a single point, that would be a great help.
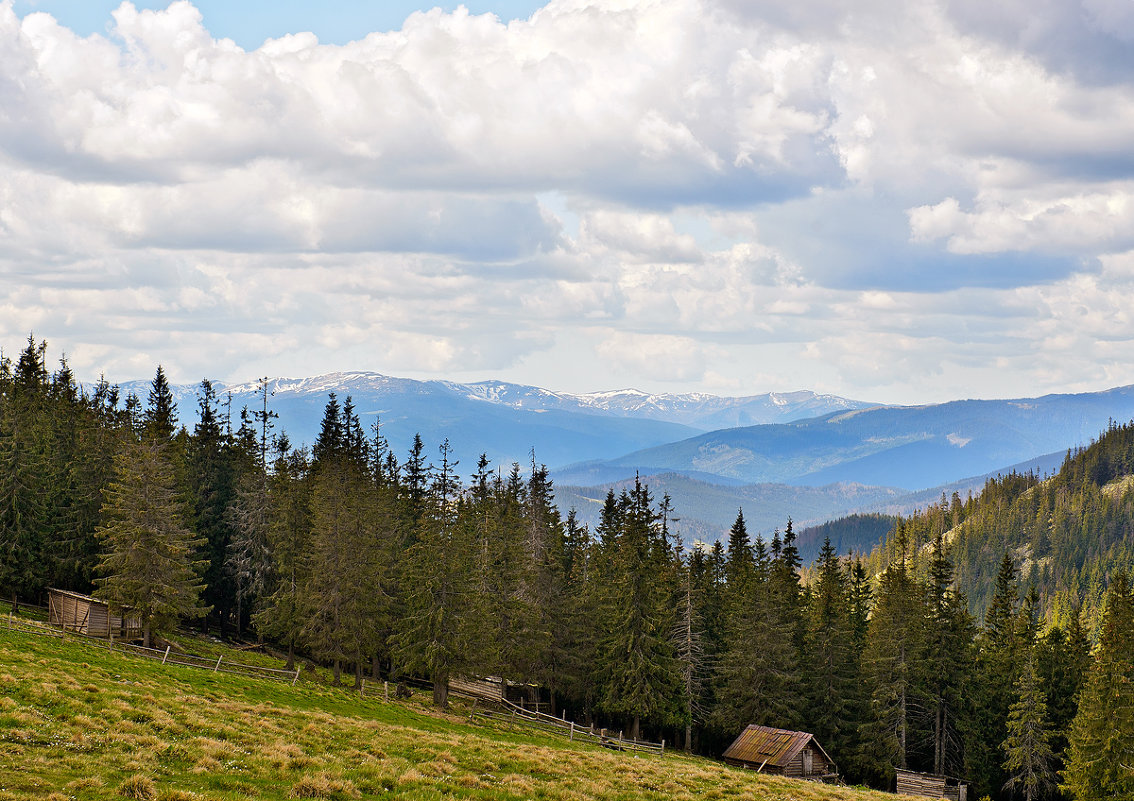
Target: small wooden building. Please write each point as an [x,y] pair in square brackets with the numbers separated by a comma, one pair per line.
[74,611]
[781,752]
[491,688]
[930,785]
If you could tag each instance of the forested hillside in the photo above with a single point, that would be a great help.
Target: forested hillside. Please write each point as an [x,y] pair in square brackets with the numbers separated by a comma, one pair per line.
[1069,533]
[374,564]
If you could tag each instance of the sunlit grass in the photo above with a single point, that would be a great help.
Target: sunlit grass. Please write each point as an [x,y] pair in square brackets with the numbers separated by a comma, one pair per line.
[79,722]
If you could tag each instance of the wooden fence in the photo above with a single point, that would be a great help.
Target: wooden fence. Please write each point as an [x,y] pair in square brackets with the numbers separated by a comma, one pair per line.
[166,656]
[512,713]
[485,707]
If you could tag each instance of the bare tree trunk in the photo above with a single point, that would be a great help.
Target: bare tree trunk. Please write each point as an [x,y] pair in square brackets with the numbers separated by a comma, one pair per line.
[902,730]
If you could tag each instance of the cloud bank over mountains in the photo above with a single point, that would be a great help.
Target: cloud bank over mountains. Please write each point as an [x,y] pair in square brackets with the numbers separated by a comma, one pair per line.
[903,201]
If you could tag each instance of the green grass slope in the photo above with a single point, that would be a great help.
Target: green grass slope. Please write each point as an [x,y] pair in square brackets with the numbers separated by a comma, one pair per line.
[80,722]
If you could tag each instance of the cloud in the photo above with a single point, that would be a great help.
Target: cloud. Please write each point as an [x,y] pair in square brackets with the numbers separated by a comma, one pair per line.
[1076,222]
[654,356]
[879,199]
[1087,38]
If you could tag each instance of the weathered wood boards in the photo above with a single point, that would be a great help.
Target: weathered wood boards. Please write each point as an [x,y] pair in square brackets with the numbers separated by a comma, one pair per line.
[86,615]
[928,785]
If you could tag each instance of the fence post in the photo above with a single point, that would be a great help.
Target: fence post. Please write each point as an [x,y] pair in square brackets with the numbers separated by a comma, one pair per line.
[662,747]
[362,688]
[386,691]
[216,667]
[572,737]
[619,741]
[166,655]
[293,681]
[110,631]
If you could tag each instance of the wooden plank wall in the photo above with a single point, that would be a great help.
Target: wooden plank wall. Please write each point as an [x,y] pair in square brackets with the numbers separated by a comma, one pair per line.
[920,784]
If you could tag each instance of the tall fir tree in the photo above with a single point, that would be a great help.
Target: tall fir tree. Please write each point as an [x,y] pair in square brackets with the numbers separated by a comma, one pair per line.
[637,660]
[948,662]
[895,645]
[431,637]
[147,565]
[830,668]
[160,418]
[212,478]
[283,614]
[997,672]
[1100,762]
[1029,761]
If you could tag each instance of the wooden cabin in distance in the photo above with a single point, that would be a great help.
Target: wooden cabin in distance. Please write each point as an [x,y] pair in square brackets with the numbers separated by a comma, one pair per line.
[780,752]
[930,785]
[80,613]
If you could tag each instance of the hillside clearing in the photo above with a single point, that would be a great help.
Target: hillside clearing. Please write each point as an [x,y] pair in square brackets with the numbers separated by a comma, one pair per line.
[78,722]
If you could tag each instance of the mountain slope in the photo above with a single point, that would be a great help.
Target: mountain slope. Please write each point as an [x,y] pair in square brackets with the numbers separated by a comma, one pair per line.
[706,509]
[910,447]
[1068,533]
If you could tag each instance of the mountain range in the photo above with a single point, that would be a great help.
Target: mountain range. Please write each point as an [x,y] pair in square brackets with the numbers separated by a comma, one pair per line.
[507,422]
[809,456]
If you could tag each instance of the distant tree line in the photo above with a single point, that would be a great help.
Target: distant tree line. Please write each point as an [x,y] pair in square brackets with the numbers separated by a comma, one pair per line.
[377,566]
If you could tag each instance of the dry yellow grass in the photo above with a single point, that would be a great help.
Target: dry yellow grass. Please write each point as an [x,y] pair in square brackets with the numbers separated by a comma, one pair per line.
[148,731]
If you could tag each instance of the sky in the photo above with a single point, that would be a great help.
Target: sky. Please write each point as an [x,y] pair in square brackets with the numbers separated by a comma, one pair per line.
[904,202]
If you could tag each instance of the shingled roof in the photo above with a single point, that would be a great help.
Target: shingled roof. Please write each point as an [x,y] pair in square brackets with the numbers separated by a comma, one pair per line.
[767,747]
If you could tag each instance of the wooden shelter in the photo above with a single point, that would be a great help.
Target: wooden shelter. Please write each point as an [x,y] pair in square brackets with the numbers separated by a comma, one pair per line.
[930,785]
[86,615]
[780,752]
[493,688]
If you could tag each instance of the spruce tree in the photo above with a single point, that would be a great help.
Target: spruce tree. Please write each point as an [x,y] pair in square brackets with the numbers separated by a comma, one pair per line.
[948,661]
[639,670]
[212,476]
[688,639]
[431,636]
[249,557]
[147,566]
[160,418]
[284,610]
[830,665]
[997,671]
[1100,761]
[1028,756]
[22,563]
[895,647]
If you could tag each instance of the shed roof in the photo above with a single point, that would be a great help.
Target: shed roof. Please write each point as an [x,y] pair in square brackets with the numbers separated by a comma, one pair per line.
[764,745]
[77,595]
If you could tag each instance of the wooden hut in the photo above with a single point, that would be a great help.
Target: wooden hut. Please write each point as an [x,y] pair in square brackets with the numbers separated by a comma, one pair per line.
[86,615]
[780,752]
[930,785]
[493,688]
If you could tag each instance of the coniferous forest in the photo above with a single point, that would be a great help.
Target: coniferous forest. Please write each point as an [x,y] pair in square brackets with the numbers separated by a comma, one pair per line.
[990,639]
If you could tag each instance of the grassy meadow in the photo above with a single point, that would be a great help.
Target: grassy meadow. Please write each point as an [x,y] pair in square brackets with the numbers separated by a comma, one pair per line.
[80,722]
